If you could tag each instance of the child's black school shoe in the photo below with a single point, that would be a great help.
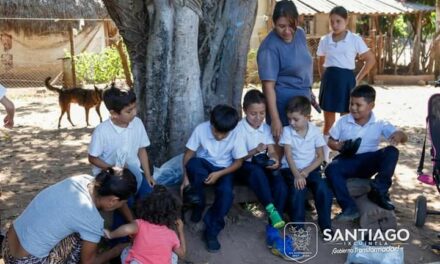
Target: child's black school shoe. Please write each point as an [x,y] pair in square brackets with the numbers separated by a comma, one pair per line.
[196,215]
[212,244]
[382,200]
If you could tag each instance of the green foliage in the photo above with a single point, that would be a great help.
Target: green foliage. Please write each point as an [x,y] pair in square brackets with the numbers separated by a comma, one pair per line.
[428,24]
[251,68]
[99,67]
[400,27]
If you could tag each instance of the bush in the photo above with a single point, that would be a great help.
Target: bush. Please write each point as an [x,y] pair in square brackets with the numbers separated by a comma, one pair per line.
[101,67]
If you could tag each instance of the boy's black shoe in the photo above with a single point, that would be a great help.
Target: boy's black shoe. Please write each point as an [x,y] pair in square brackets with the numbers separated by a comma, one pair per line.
[381,200]
[212,244]
[196,215]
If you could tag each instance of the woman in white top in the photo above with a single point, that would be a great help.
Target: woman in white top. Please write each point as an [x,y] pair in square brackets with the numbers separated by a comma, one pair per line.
[337,52]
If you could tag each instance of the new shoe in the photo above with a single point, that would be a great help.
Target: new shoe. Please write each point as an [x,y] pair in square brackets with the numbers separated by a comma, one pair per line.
[284,248]
[196,215]
[272,234]
[212,244]
[382,200]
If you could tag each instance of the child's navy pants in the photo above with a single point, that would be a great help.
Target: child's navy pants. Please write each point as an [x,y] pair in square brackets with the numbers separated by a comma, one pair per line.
[266,184]
[321,194]
[198,170]
[365,165]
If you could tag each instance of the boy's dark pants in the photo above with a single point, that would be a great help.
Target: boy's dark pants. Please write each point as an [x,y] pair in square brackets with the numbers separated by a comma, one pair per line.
[321,195]
[365,165]
[266,184]
[198,170]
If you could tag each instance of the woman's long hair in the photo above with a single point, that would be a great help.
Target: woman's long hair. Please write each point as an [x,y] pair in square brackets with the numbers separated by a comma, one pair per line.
[107,183]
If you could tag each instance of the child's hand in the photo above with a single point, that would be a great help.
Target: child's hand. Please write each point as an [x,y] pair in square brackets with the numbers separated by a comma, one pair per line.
[179,225]
[212,178]
[275,165]
[151,181]
[300,183]
[107,234]
[397,137]
[261,147]
[8,122]
[304,173]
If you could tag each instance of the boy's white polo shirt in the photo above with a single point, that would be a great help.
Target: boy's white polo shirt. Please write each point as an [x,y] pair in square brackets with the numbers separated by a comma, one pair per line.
[254,136]
[371,133]
[303,148]
[219,153]
[2,91]
[114,144]
[341,54]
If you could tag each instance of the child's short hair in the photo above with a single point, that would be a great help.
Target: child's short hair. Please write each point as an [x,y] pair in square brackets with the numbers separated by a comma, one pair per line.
[116,99]
[224,118]
[160,207]
[253,97]
[340,11]
[299,104]
[366,91]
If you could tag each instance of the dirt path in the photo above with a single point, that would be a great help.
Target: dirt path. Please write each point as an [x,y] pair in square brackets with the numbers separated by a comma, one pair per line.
[36,154]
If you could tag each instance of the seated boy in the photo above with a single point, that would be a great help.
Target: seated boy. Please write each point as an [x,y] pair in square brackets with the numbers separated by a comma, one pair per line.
[120,142]
[213,152]
[367,160]
[303,150]
[258,139]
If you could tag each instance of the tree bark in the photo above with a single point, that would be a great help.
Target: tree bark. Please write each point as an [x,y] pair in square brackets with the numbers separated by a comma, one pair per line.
[181,66]
[223,47]
[186,104]
[414,67]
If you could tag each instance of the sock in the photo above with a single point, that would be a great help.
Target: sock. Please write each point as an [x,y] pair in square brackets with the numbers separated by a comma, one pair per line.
[274,216]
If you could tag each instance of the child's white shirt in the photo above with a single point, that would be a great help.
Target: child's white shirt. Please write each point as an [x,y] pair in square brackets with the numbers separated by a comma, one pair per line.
[341,54]
[254,136]
[303,148]
[119,146]
[219,153]
[371,133]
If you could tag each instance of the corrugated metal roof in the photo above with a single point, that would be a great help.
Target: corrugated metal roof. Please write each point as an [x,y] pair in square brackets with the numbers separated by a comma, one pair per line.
[364,7]
[408,7]
[304,9]
[320,6]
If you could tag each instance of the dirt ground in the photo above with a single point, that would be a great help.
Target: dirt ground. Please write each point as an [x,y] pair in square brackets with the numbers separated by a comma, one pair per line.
[36,154]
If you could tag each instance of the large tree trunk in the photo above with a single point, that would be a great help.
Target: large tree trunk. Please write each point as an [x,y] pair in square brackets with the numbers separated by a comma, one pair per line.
[181,73]
[223,48]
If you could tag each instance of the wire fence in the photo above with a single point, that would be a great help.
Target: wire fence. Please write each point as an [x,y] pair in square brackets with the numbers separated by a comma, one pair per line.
[28,58]
[31,75]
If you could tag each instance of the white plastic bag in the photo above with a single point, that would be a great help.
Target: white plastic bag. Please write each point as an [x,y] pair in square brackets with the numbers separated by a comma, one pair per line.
[361,253]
